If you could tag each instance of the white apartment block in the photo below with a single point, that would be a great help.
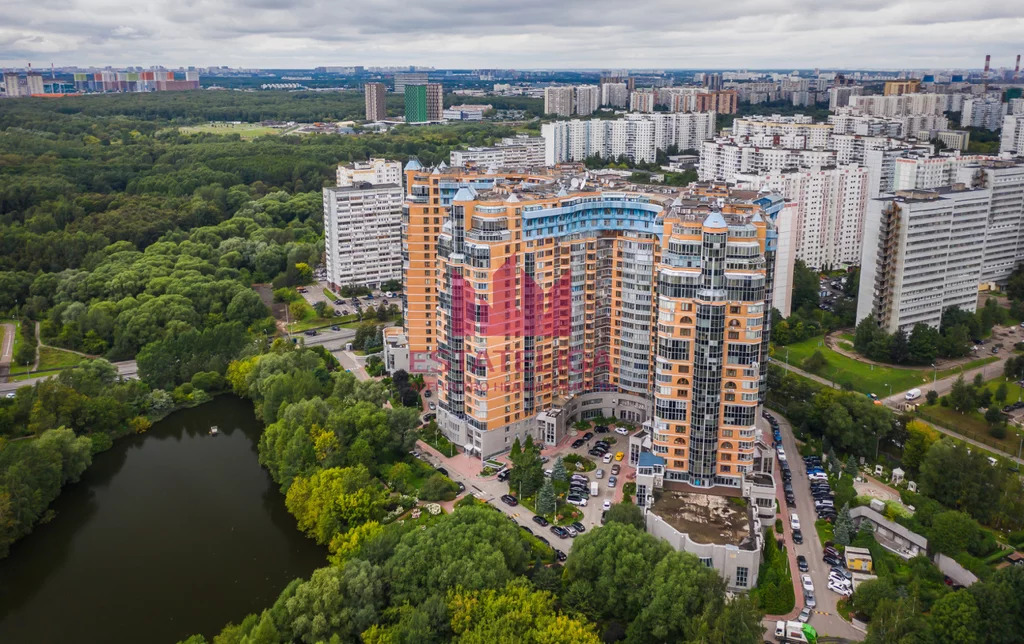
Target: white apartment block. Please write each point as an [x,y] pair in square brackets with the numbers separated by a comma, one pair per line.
[984,112]
[922,253]
[724,158]
[588,98]
[520,151]
[924,171]
[615,94]
[1004,232]
[825,207]
[840,96]
[642,101]
[1011,140]
[637,136]
[798,130]
[374,171]
[847,121]
[903,105]
[558,100]
[363,233]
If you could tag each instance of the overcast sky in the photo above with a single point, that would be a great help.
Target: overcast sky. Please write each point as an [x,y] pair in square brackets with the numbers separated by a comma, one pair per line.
[730,34]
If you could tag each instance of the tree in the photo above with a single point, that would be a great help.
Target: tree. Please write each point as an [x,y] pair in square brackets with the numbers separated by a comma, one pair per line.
[923,344]
[684,596]
[919,439]
[609,569]
[961,396]
[899,347]
[951,532]
[815,362]
[931,396]
[515,613]
[335,601]
[871,593]
[1001,392]
[844,530]
[527,473]
[474,548]
[546,504]
[626,513]
[850,469]
[805,287]
[558,472]
[332,500]
[954,618]
[438,488]
[993,416]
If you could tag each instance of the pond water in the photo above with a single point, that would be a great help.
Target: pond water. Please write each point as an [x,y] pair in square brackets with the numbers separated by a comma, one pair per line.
[169,533]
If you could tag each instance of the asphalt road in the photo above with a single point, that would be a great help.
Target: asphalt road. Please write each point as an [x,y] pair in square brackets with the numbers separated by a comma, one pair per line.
[825,619]
[126,369]
[7,350]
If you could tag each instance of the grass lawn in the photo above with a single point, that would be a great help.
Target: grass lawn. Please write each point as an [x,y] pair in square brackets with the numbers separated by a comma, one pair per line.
[331,297]
[438,441]
[15,367]
[345,321]
[248,131]
[860,376]
[824,530]
[970,424]
[49,359]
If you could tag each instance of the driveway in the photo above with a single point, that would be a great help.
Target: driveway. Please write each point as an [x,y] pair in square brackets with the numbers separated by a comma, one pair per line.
[466,469]
[824,619]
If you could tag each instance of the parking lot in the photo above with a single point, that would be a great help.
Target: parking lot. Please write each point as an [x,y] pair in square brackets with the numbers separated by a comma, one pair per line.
[466,470]
[823,617]
[347,305]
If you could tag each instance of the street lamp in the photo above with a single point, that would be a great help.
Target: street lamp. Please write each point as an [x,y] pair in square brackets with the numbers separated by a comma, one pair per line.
[933,373]
[890,388]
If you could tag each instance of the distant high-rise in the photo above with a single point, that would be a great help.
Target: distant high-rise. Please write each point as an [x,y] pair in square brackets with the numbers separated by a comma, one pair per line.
[34,83]
[415,103]
[899,88]
[435,101]
[614,94]
[558,100]
[412,78]
[588,97]
[713,81]
[375,101]
[11,83]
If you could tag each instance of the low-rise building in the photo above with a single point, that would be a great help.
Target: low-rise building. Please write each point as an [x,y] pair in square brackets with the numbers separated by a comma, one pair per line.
[889,534]
[396,349]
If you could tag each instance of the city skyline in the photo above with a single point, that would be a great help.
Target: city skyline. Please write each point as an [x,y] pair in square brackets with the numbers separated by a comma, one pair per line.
[908,34]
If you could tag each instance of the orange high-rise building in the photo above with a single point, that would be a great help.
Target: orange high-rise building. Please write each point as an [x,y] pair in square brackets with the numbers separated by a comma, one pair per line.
[543,306]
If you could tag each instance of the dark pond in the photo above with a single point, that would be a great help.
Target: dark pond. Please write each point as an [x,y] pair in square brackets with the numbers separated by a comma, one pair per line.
[169,533]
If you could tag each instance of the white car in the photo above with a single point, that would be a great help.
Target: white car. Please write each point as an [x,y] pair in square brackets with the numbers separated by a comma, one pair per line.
[577,500]
[808,583]
[607,505]
[781,452]
[836,578]
[794,521]
[607,458]
[845,591]
[622,430]
[818,476]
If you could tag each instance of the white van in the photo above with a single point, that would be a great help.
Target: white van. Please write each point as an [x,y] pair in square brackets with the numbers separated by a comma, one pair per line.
[913,394]
[594,489]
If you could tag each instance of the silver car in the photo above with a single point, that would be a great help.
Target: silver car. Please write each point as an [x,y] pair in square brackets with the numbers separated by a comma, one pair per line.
[599,474]
[612,480]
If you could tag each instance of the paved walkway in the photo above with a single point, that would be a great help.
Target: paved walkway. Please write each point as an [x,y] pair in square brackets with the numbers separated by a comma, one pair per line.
[6,350]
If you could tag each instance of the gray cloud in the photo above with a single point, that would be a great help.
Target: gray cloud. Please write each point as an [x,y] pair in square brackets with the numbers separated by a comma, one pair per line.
[888,34]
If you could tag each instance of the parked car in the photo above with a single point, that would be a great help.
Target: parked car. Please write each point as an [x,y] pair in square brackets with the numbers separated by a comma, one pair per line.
[576,499]
[612,480]
[335,327]
[504,474]
[622,430]
[798,537]
[807,583]
[588,436]
[618,456]
[576,444]
[442,471]
[607,458]
[541,521]
[431,406]
[832,561]
[579,527]
[543,540]
[426,394]
[809,600]
[601,429]
[801,563]
[571,530]
[607,505]
[843,572]
[599,473]
[805,615]
[839,588]
[561,556]
[510,500]
[615,468]
[559,532]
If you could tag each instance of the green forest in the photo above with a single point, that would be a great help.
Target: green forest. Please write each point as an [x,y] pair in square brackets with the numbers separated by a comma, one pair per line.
[124,239]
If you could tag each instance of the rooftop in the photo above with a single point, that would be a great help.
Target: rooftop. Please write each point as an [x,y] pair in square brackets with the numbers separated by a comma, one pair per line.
[706,518]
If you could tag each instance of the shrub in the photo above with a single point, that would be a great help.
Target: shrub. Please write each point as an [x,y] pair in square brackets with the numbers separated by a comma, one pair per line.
[438,488]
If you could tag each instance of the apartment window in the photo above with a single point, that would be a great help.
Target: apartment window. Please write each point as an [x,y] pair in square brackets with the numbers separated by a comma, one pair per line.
[741,576]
